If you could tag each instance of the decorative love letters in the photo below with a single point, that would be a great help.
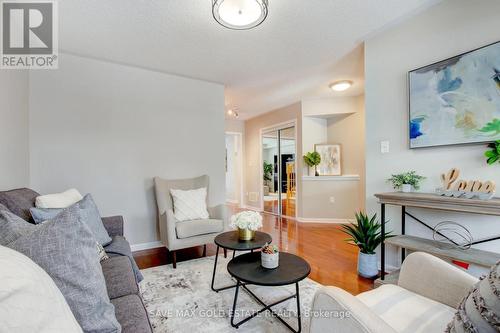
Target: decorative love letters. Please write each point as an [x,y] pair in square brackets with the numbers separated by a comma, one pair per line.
[465,188]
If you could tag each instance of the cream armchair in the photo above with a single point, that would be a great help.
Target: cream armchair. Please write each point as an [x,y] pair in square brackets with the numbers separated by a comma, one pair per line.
[177,235]
[425,300]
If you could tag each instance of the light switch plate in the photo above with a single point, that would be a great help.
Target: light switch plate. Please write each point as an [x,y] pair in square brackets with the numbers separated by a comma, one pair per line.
[384,147]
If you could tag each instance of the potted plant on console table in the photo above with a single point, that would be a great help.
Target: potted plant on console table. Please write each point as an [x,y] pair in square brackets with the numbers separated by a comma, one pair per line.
[406,182]
[366,234]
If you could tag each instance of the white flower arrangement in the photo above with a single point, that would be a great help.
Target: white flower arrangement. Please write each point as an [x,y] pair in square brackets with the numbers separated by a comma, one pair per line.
[246,220]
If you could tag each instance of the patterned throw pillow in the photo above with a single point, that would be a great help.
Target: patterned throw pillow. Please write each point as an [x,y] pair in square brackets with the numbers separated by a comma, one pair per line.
[66,249]
[479,312]
[12,226]
[101,252]
[89,211]
[190,205]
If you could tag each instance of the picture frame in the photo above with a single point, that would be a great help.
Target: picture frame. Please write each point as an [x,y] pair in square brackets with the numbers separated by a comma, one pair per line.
[456,101]
[331,159]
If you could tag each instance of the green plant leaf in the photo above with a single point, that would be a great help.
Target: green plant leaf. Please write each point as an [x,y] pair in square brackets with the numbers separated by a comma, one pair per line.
[492,127]
[366,234]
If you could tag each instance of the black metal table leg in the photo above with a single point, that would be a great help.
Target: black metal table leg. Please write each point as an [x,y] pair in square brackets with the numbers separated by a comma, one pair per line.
[267,307]
[298,307]
[215,268]
[213,275]
[403,227]
[382,245]
[234,252]
[234,303]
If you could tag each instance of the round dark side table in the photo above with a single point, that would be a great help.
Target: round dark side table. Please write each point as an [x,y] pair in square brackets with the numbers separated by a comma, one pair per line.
[229,241]
[247,270]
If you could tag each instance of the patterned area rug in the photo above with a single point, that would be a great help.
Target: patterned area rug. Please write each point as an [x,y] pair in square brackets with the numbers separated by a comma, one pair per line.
[180,300]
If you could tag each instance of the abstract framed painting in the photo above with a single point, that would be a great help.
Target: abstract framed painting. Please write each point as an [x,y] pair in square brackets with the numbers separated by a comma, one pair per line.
[330,164]
[457,100]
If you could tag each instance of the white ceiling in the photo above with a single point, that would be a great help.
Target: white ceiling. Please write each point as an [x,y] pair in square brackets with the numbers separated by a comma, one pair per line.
[301,47]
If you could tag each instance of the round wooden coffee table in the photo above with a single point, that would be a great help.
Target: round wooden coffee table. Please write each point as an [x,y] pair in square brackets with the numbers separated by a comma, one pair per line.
[247,269]
[229,241]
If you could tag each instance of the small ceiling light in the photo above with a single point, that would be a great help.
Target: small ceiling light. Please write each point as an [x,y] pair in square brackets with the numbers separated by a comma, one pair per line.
[240,14]
[232,113]
[341,85]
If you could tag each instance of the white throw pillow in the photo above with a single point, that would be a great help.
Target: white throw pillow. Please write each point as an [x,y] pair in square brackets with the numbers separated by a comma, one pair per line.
[190,205]
[29,300]
[58,200]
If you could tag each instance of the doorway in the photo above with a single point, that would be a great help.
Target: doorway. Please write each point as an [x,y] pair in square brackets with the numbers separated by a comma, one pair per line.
[279,171]
[234,167]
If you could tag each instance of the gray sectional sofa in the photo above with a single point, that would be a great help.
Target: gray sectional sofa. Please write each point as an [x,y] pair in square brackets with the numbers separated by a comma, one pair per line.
[121,281]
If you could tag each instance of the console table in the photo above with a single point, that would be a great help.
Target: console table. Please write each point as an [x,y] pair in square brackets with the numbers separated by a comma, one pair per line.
[440,249]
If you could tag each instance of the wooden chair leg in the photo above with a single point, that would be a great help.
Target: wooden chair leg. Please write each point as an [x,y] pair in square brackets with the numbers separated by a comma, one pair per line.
[225,253]
[204,250]
[174,259]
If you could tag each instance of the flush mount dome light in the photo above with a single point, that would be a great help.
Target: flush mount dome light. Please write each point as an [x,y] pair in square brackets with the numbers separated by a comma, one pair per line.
[240,14]
[341,85]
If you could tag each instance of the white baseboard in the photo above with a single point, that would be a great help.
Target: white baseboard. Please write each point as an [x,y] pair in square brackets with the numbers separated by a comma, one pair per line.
[145,246]
[324,220]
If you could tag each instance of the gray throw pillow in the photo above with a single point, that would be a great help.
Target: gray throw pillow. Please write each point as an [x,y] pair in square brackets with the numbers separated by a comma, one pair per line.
[480,310]
[90,214]
[66,249]
[12,227]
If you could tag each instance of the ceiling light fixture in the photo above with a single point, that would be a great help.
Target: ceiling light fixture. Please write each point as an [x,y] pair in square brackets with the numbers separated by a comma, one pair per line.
[240,14]
[232,113]
[341,85]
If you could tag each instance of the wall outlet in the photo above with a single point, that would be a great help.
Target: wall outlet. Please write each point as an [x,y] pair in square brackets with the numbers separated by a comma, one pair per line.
[384,147]
[332,199]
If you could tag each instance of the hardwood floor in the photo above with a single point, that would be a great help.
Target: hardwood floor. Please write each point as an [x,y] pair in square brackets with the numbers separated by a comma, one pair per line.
[332,260]
[288,207]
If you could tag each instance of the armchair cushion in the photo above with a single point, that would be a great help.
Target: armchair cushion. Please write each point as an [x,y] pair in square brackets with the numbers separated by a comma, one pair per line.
[406,311]
[337,311]
[190,205]
[429,276]
[186,229]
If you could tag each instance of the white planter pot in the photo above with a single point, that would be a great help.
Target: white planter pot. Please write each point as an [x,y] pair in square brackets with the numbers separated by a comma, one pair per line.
[269,261]
[407,188]
[367,265]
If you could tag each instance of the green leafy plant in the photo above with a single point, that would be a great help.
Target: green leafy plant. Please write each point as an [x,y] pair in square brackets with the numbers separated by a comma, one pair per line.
[410,178]
[268,171]
[493,127]
[493,155]
[312,158]
[367,234]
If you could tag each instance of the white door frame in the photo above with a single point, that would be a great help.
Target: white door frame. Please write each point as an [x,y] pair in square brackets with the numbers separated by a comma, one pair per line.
[275,127]
[239,135]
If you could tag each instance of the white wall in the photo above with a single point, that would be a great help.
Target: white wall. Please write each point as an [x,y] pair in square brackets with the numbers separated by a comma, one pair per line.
[108,129]
[235,126]
[233,168]
[14,143]
[253,151]
[445,30]
[335,120]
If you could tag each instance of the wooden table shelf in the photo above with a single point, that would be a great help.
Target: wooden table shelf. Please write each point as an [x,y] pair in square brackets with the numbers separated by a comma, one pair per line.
[445,250]
[440,249]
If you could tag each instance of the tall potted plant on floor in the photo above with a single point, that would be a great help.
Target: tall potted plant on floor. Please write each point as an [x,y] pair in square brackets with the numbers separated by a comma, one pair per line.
[367,235]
